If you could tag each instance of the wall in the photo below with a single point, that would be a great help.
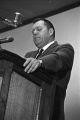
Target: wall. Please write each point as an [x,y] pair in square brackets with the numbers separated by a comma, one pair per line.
[67,25]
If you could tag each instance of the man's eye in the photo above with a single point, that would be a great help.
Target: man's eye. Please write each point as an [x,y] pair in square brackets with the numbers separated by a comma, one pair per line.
[36,30]
[39,29]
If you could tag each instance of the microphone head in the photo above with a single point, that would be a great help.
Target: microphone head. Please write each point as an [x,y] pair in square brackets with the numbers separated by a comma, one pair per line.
[6,40]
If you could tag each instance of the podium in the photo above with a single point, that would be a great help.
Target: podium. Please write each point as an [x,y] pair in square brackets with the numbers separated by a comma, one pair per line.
[24,96]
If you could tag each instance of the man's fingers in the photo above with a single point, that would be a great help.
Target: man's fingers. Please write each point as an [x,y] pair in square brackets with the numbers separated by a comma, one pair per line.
[27,62]
[28,67]
[33,67]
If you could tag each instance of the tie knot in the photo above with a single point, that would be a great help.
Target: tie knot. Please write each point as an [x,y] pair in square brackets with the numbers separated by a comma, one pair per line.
[39,52]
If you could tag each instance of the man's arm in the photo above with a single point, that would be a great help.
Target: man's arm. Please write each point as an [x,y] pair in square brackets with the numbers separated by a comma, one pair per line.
[61,59]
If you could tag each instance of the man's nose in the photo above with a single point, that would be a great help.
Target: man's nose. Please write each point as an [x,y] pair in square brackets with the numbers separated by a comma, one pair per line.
[35,32]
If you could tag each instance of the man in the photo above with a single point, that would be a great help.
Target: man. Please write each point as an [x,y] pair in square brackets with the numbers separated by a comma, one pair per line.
[56,59]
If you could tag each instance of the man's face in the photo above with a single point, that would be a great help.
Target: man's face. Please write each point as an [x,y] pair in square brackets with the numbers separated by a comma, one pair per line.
[40,33]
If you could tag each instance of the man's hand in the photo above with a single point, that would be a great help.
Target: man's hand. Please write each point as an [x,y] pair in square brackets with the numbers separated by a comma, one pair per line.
[31,64]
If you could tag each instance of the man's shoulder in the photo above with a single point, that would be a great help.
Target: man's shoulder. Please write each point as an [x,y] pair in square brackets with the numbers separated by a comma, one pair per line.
[66,45]
[62,47]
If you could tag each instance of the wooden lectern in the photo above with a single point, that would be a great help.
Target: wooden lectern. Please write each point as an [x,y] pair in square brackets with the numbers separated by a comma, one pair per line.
[24,96]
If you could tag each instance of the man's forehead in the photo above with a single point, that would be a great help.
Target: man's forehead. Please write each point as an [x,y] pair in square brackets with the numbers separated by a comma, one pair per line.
[38,23]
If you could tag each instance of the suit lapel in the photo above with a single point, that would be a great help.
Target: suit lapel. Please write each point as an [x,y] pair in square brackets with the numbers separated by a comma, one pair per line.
[50,49]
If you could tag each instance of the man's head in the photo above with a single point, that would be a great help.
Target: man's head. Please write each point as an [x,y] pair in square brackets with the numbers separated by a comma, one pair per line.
[43,32]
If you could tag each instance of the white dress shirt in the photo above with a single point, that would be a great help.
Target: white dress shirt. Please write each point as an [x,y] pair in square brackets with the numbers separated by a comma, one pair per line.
[46,46]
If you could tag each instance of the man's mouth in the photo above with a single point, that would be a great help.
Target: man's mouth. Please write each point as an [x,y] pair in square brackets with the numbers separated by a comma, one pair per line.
[36,37]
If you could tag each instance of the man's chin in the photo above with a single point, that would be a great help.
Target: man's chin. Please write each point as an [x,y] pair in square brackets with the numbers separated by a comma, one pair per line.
[38,46]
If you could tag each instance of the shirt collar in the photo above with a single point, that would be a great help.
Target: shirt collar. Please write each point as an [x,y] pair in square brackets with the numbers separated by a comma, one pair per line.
[46,46]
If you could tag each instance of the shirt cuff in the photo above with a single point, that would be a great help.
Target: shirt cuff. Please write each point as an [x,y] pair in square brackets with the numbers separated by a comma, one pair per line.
[40,61]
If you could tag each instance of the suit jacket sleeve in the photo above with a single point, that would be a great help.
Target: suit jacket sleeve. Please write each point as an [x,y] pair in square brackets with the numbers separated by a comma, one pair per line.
[61,59]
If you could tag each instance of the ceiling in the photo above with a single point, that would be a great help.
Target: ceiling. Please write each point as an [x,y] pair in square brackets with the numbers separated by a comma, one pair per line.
[31,9]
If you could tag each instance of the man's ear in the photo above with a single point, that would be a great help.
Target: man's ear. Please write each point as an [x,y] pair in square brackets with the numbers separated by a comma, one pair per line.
[51,31]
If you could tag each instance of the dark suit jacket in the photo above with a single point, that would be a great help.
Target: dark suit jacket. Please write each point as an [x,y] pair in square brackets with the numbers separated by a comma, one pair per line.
[58,61]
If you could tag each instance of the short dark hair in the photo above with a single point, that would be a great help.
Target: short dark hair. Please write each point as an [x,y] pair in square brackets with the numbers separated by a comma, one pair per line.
[47,23]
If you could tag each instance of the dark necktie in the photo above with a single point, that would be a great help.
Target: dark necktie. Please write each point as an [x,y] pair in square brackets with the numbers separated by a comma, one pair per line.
[39,53]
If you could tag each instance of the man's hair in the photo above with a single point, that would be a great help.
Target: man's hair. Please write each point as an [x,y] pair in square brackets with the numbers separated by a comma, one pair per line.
[47,23]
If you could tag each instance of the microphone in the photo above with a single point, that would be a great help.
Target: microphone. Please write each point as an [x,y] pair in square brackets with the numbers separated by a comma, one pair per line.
[6,40]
